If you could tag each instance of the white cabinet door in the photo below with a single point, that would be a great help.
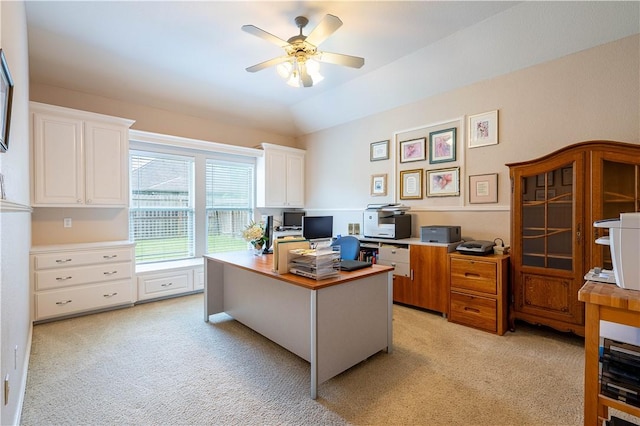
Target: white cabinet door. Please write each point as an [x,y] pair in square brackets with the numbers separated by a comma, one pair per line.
[107,174]
[295,180]
[275,178]
[57,160]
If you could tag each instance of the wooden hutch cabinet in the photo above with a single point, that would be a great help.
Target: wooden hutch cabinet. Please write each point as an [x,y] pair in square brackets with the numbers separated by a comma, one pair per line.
[555,200]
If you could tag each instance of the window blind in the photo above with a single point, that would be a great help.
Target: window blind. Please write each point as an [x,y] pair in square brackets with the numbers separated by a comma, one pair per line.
[229,203]
[162,206]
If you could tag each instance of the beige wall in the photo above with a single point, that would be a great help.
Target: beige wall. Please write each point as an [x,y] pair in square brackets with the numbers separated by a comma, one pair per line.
[589,95]
[15,227]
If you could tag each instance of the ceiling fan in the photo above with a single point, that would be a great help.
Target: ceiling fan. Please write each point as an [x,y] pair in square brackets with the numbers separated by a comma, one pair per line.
[300,66]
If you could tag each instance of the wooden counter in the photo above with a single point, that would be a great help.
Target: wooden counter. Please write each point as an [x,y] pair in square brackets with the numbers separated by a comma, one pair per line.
[606,302]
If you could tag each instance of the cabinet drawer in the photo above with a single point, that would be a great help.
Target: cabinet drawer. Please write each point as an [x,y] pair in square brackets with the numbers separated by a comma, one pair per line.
[79,258]
[474,275]
[65,277]
[399,268]
[56,303]
[479,312]
[159,285]
[393,254]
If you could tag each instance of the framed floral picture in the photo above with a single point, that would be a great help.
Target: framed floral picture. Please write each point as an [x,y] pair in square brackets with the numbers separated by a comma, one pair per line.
[483,129]
[443,182]
[412,150]
[411,184]
[378,185]
[442,146]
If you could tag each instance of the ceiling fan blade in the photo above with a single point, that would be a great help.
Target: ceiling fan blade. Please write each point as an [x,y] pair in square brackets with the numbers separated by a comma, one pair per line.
[325,28]
[252,29]
[340,59]
[269,63]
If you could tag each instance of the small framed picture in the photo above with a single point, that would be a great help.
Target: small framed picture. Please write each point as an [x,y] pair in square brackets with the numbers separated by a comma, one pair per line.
[483,189]
[378,185]
[483,129]
[443,182]
[540,179]
[379,151]
[411,184]
[412,150]
[6,97]
[442,146]
[567,176]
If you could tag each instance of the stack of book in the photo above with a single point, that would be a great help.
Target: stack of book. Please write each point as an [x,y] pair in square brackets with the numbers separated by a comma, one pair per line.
[318,264]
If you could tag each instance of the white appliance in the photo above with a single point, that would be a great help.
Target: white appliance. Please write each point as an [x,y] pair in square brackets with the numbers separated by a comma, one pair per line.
[624,242]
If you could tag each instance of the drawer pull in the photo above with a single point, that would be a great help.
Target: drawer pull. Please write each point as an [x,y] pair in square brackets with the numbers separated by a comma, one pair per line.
[393,264]
[166,284]
[110,273]
[63,278]
[63,302]
[113,256]
[471,274]
[109,295]
[63,260]
[477,311]
[393,252]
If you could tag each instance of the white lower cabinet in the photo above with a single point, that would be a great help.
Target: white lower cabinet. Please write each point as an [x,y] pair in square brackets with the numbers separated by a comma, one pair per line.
[169,279]
[79,278]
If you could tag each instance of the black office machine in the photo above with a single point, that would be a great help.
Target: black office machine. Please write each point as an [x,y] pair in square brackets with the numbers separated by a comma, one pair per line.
[477,247]
[387,221]
[440,234]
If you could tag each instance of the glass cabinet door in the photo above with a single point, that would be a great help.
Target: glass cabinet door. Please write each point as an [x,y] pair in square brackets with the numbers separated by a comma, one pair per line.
[548,219]
[615,187]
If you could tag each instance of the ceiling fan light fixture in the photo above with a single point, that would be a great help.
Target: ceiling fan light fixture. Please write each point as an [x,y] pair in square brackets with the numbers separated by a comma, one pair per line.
[299,71]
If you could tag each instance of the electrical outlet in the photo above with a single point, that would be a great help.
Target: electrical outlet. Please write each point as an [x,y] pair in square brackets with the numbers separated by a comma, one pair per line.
[67,222]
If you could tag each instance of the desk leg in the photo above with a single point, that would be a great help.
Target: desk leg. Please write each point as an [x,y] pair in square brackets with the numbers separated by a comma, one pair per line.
[390,314]
[591,367]
[213,288]
[314,343]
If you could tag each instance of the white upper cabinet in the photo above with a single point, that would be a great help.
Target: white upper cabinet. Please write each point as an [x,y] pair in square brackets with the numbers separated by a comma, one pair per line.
[280,177]
[79,159]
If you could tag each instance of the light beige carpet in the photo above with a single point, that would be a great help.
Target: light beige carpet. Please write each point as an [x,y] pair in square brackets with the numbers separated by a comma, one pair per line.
[161,364]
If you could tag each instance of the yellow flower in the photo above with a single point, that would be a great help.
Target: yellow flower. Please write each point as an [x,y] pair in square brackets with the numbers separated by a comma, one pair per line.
[254,233]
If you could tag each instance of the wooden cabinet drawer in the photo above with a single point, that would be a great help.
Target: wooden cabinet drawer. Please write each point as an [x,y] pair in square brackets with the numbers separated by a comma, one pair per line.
[474,311]
[65,277]
[393,254]
[159,285]
[68,301]
[399,268]
[474,275]
[78,258]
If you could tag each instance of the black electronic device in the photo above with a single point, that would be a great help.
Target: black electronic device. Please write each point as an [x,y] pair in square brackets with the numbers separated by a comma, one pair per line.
[477,247]
[292,220]
[353,265]
[268,232]
[317,227]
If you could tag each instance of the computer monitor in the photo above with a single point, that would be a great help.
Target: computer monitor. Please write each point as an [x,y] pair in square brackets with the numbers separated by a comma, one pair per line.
[317,227]
[292,219]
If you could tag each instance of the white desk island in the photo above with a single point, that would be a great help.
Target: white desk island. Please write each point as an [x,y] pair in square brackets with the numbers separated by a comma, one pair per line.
[334,324]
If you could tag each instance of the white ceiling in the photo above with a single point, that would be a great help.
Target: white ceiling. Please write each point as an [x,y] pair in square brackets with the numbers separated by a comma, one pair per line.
[190,57]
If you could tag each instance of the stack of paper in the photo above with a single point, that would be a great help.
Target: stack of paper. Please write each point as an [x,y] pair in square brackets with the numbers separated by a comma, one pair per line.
[281,248]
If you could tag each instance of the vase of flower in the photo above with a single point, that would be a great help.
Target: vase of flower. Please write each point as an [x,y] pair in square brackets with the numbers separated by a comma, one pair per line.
[254,234]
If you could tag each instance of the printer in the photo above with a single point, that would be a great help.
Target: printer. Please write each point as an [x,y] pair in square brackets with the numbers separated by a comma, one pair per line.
[387,221]
[624,242]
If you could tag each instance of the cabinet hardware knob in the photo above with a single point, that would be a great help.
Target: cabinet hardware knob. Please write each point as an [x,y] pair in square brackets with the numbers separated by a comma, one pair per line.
[63,278]
[79,201]
[63,260]
[113,256]
[109,295]
[166,284]
[471,274]
[89,201]
[110,273]
[63,302]
[477,311]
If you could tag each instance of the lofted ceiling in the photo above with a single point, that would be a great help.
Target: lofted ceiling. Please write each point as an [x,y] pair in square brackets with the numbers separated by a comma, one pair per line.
[190,57]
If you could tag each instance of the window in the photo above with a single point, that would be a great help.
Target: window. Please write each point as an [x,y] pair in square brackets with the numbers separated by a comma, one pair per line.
[161,214]
[229,187]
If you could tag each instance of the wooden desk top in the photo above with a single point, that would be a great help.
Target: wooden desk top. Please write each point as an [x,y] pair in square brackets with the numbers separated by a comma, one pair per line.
[610,295]
[264,264]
